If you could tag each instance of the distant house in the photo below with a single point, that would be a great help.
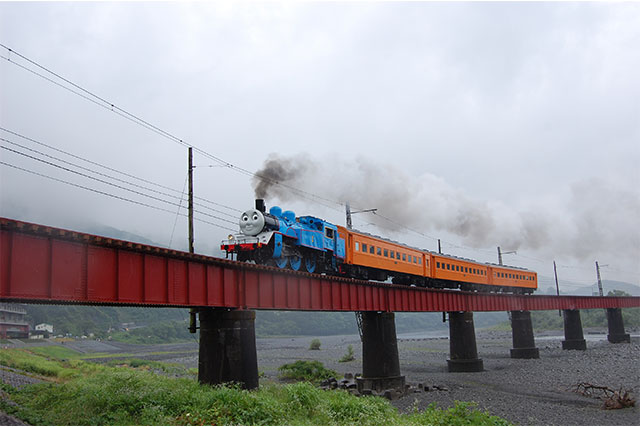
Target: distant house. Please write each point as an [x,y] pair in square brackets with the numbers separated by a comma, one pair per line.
[44,327]
[12,321]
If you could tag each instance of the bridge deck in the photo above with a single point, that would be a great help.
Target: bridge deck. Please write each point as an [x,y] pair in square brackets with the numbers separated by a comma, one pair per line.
[41,264]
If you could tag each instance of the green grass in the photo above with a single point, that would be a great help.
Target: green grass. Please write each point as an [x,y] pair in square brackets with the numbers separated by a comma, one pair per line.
[167,368]
[105,395]
[25,360]
[55,351]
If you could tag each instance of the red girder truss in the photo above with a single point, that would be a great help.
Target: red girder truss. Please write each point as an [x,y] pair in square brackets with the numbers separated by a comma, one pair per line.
[41,264]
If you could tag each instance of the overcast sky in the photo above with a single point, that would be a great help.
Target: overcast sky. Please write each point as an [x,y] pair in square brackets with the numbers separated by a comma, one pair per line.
[483,124]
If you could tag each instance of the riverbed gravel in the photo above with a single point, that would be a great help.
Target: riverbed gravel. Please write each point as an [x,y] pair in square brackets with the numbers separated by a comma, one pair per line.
[525,392]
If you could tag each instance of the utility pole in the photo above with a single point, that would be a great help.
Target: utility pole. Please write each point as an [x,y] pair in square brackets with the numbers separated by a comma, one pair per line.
[600,290]
[500,253]
[190,200]
[555,273]
[347,208]
[192,312]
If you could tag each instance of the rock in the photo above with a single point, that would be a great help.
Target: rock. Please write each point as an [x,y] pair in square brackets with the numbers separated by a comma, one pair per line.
[390,394]
[348,376]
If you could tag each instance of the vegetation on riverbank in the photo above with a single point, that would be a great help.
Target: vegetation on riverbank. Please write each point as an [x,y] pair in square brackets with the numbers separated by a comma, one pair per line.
[82,393]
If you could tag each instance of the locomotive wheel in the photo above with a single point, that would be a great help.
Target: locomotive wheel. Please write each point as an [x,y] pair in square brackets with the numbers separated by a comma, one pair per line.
[310,263]
[295,262]
[281,262]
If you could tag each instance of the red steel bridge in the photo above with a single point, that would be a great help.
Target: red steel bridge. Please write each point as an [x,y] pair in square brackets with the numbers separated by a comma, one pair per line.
[41,264]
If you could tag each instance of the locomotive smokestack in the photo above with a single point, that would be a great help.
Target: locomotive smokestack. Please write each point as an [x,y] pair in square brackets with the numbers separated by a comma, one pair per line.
[260,205]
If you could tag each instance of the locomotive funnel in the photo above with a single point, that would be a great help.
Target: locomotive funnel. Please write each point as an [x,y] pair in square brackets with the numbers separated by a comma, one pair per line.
[260,205]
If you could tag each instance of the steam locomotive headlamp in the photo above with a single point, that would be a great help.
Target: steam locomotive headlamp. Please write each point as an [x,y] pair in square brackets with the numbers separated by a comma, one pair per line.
[252,222]
[231,237]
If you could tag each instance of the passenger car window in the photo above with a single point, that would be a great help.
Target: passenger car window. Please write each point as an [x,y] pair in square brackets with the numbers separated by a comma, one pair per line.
[357,246]
[372,249]
[404,257]
[379,251]
[364,247]
[393,255]
[386,253]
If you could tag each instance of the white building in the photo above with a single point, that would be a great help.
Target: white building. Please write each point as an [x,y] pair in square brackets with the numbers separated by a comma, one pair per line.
[44,327]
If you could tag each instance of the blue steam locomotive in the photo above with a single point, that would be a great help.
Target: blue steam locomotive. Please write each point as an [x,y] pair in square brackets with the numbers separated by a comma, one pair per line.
[279,238]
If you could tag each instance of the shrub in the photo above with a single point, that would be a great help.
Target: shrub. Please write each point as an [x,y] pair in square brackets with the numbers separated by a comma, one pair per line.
[348,357]
[306,370]
[315,344]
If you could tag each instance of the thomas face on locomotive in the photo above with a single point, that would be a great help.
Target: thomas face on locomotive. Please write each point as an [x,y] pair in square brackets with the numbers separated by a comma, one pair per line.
[251,222]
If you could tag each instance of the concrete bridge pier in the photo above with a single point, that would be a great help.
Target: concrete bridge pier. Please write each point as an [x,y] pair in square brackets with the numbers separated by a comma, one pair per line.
[228,347]
[573,337]
[616,326]
[380,362]
[462,343]
[524,346]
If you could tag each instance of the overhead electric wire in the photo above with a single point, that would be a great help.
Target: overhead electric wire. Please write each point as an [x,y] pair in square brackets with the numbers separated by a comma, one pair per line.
[132,117]
[114,170]
[184,186]
[104,193]
[109,176]
[110,183]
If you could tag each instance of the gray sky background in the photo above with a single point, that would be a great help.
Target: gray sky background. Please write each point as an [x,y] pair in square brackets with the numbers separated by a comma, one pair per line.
[483,124]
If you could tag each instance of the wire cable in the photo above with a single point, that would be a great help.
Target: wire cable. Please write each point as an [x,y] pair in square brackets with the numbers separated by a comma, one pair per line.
[107,194]
[132,117]
[112,169]
[109,183]
[108,176]
[179,207]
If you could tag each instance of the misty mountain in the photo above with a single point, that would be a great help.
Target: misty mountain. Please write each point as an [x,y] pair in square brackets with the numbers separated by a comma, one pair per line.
[547,286]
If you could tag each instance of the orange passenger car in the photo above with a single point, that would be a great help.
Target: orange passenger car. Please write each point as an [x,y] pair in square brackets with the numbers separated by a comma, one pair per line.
[373,257]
